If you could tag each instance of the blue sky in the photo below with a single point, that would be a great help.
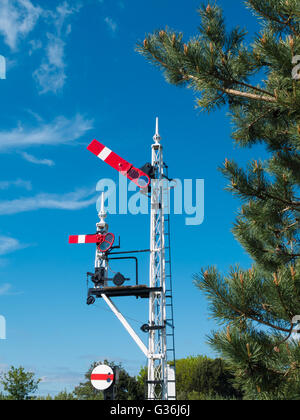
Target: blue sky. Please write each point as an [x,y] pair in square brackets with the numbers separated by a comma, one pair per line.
[73,75]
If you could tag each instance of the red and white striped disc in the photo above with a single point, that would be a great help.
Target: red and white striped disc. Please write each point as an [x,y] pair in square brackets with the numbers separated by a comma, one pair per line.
[102,377]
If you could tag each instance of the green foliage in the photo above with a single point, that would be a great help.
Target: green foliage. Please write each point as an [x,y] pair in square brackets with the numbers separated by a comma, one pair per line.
[65,396]
[200,378]
[263,368]
[203,377]
[61,396]
[142,380]
[199,396]
[128,387]
[19,384]
[256,306]
[85,390]
[42,398]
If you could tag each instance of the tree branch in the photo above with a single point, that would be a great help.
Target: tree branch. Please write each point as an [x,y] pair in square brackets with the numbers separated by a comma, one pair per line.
[245,315]
[233,92]
[286,23]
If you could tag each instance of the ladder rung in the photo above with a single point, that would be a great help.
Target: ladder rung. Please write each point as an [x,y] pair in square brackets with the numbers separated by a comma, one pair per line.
[154,382]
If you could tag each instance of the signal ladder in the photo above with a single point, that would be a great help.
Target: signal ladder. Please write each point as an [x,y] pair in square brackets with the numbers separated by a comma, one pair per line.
[170,337]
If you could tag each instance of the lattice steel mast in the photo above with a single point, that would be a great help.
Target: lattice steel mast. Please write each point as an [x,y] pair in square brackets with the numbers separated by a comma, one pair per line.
[158,369]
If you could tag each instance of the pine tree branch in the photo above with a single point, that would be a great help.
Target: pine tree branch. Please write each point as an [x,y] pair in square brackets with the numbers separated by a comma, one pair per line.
[259,118]
[245,315]
[287,338]
[287,23]
[233,80]
[262,195]
[249,95]
[281,252]
[287,312]
[233,92]
[273,197]
[285,229]
[254,88]
[274,19]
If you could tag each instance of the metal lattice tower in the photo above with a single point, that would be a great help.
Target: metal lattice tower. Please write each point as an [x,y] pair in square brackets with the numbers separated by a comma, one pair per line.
[159,372]
[160,352]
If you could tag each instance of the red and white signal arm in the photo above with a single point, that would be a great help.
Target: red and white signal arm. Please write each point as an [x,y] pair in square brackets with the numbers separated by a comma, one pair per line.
[104,242]
[102,377]
[135,175]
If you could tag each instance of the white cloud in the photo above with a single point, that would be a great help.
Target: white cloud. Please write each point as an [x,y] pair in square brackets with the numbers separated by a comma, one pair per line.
[111,24]
[76,200]
[35,115]
[4,185]
[4,289]
[59,378]
[60,131]
[51,75]
[8,245]
[62,12]
[35,44]
[17,19]
[33,159]
[7,289]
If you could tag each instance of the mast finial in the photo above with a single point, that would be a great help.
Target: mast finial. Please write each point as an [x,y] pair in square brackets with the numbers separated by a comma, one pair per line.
[102,225]
[156,136]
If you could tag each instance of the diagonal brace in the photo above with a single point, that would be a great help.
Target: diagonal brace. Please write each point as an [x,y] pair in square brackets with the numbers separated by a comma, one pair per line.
[125,324]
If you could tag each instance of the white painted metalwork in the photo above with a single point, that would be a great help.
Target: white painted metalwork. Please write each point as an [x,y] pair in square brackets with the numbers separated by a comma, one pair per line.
[157,366]
[125,324]
[171,383]
[102,227]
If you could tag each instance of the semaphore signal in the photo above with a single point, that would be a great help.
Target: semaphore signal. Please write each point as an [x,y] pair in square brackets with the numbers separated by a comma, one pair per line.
[160,351]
